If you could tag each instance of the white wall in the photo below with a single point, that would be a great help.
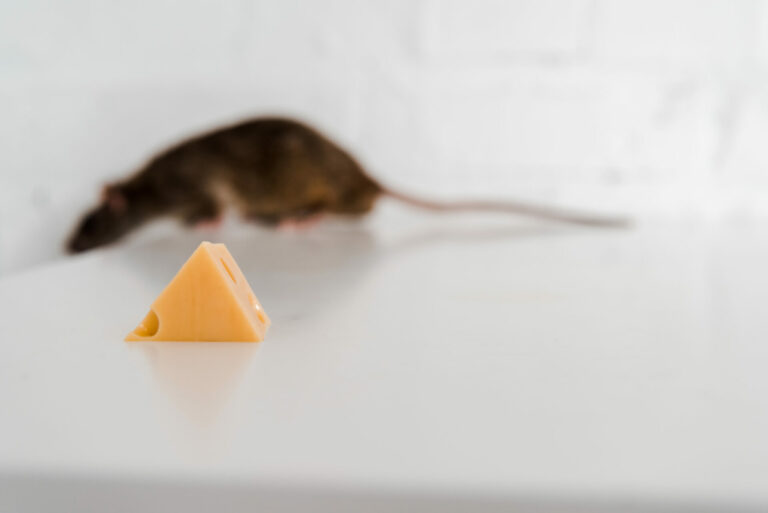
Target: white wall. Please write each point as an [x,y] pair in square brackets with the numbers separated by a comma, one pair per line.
[657,107]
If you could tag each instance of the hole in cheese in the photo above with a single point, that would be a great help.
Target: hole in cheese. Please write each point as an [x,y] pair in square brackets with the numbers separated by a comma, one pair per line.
[256,306]
[148,326]
[226,267]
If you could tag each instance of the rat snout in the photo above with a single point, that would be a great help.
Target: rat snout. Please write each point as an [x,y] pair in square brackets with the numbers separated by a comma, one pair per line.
[96,229]
[77,244]
[80,240]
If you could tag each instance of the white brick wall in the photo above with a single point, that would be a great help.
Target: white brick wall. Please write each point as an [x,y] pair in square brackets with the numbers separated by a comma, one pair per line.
[489,30]
[658,107]
[676,33]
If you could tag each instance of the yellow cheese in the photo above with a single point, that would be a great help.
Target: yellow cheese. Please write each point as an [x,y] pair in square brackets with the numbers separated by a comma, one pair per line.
[208,300]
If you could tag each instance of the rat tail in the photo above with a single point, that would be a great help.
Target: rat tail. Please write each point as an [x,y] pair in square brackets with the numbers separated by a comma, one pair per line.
[509,207]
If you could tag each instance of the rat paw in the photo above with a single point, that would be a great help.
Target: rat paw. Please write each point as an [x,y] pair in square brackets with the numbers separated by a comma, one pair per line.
[208,224]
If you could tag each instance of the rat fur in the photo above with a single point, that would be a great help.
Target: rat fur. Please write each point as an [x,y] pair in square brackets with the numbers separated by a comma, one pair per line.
[271,170]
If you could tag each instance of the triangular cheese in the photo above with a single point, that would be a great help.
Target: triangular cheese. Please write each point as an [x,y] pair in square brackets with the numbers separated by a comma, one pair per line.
[208,300]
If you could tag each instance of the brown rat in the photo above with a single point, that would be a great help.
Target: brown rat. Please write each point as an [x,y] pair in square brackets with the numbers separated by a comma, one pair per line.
[271,170]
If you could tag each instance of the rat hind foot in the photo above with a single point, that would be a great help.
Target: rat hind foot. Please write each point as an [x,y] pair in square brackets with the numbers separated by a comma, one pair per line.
[300,223]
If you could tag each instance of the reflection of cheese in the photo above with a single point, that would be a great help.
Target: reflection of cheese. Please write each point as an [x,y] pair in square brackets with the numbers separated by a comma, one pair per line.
[208,300]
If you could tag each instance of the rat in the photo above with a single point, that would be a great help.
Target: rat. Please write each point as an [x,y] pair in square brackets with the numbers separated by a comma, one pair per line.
[272,170]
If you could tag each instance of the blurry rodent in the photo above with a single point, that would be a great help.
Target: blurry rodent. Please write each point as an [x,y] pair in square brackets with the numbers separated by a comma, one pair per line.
[271,170]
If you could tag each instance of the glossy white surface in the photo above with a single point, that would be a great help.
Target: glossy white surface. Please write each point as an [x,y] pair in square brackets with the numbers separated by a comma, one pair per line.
[410,359]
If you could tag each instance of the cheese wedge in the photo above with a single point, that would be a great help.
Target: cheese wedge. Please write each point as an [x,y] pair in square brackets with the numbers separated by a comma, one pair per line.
[208,300]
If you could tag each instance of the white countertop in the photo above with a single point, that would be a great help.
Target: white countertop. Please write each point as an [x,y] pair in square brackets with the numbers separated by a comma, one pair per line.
[457,362]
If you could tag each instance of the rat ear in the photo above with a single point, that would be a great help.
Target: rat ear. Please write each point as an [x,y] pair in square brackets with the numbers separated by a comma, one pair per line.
[114,198]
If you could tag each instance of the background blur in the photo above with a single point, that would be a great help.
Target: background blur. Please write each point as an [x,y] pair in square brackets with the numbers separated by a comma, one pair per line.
[659,108]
